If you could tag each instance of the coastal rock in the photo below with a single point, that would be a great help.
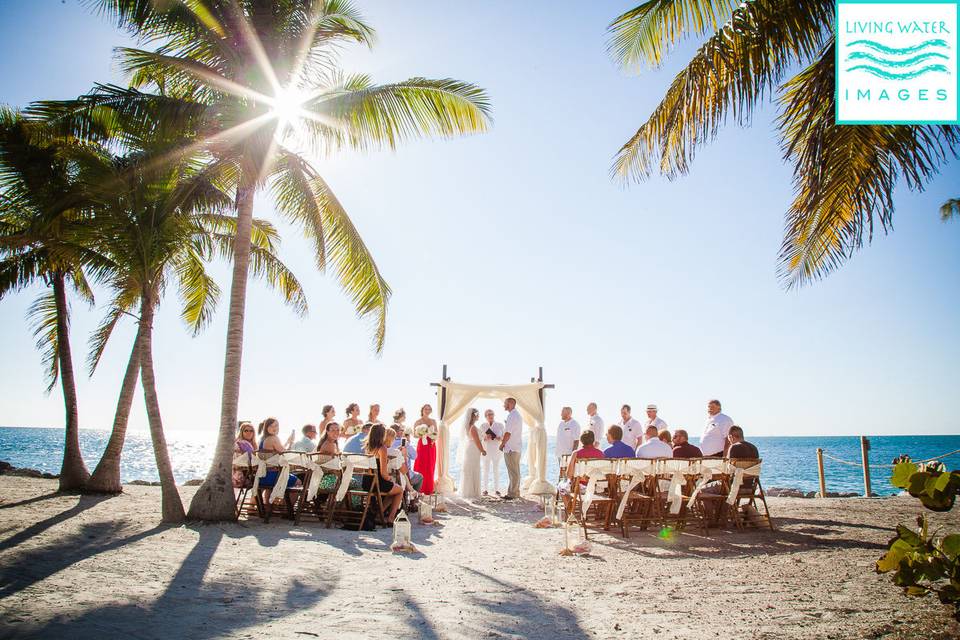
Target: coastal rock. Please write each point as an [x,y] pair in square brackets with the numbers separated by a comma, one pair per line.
[8,469]
[834,494]
[144,483]
[784,492]
[193,482]
[5,467]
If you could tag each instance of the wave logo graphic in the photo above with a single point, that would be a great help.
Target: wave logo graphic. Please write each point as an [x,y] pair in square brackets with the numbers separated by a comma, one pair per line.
[905,63]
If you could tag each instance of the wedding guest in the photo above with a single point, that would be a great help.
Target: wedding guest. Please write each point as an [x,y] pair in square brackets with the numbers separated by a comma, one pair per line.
[588,450]
[632,429]
[426,449]
[308,443]
[328,414]
[373,416]
[246,443]
[398,417]
[595,422]
[664,436]
[740,448]
[354,444]
[618,448]
[511,446]
[329,444]
[568,432]
[353,419]
[714,439]
[270,443]
[492,434]
[408,453]
[390,491]
[654,447]
[682,447]
[652,418]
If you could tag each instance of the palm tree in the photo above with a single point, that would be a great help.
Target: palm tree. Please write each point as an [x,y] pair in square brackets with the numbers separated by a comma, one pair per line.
[844,176]
[257,81]
[158,223]
[43,239]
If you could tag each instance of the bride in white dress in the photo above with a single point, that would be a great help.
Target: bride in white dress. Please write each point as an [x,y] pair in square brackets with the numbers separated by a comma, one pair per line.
[472,451]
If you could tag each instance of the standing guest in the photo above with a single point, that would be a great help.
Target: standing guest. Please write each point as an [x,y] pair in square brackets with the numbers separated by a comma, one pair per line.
[682,447]
[308,443]
[246,443]
[328,414]
[353,422]
[618,448]
[714,439]
[632,429]
[355,443]
[589,450]
[654,447]
[652,418]
[492,433]
[409,454]
[595,422]
[740,448]
[568,433]
[511,446]
[329,442]
[398,417]
[391,492]
[426,456]
[373,416]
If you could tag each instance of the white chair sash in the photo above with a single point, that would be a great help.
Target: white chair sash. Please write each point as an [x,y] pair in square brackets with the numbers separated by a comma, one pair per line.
[638,470]
[675,492]
[738,475]
[706,475]
[593,474]
[346,464]
[283,476]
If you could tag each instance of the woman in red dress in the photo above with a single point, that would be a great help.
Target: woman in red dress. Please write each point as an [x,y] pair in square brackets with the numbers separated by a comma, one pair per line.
[425,429]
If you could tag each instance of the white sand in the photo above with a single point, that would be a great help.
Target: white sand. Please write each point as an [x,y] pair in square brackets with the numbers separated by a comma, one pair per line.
[87,567]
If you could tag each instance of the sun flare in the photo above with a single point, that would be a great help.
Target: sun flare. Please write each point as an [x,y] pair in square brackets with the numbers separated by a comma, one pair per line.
[286,106]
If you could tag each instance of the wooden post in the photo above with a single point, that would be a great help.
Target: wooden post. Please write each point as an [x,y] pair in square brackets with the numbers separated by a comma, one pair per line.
[823,482]
[865,458]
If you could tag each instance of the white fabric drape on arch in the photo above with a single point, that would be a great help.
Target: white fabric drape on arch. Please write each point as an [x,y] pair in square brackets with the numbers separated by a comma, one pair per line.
[459,397]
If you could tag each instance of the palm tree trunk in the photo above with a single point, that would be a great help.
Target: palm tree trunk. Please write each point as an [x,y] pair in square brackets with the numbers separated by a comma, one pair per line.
[171,506]
[106,477]
[73,471]
[214,499]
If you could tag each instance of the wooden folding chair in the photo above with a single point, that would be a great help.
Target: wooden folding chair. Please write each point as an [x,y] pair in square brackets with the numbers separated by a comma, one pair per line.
[592,505]
[243,465]
[747,492]
[364,467]
[321,506]
[267,508]
[711,491]
[674,488]
[637,491]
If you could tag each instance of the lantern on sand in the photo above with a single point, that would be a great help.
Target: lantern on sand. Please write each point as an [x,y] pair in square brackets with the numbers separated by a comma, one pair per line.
[402,531]
[574,538]
[426,512]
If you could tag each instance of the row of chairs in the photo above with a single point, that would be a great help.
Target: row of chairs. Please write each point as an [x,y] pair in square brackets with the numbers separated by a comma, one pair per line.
[351,496]
[659,492]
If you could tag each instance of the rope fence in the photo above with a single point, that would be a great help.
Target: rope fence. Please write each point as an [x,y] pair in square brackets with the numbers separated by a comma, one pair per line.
[888,466]
[864,464]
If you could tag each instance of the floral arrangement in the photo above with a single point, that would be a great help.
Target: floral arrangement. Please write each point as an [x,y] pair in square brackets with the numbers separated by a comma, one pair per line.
[426,431]
[351,430]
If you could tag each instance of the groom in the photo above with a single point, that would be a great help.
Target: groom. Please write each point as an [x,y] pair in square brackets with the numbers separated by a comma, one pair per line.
[511,445]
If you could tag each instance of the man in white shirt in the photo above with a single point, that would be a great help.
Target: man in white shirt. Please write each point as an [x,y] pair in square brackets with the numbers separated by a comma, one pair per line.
[653,420]
[714,438]
[632,429]
[511,445]
[595,424]
[308,443]
[568,433]
[654,447]
[491,444]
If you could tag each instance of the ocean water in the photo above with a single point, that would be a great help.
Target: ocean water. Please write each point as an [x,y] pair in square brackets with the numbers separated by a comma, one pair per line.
[788,461]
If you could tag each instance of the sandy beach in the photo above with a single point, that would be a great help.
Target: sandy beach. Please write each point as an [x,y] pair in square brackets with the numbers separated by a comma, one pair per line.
[91,567]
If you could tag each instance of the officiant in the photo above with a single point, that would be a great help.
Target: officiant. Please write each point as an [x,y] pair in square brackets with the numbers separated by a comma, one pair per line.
[491,433]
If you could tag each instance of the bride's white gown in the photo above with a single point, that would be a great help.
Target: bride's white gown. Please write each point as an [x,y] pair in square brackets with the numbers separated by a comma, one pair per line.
[470,471]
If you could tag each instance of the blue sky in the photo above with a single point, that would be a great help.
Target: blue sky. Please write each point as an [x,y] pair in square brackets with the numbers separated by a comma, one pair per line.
[514,249]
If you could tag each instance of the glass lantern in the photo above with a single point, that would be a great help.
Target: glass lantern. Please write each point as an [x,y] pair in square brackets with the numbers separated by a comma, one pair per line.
[401,530]
[574,537]
[550,509]
[426,512]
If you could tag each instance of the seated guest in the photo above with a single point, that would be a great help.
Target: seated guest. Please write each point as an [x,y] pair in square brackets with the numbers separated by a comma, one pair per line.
[308,443]
[682,448]
[654,447]
[270,443]
[355,443]
[664,436]
[329,444]
[738,447]
[587,450]
[391,492]
[402,450]
[618,448]
[246,443]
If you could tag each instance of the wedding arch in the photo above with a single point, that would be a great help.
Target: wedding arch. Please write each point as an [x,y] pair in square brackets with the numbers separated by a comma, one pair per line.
[454,398]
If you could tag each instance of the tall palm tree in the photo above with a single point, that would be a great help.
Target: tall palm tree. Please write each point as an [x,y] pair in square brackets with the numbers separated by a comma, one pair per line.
[258,81]
[158,223]
[844,176]
[43,240]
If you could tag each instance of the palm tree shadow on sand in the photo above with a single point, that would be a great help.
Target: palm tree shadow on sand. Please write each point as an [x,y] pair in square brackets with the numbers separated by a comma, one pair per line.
[191,606]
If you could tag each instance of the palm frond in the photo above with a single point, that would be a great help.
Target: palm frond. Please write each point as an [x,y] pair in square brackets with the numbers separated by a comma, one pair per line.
[736,68]
[124,300]
[42,316]
[645,34]
[950,209]
[199,293]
